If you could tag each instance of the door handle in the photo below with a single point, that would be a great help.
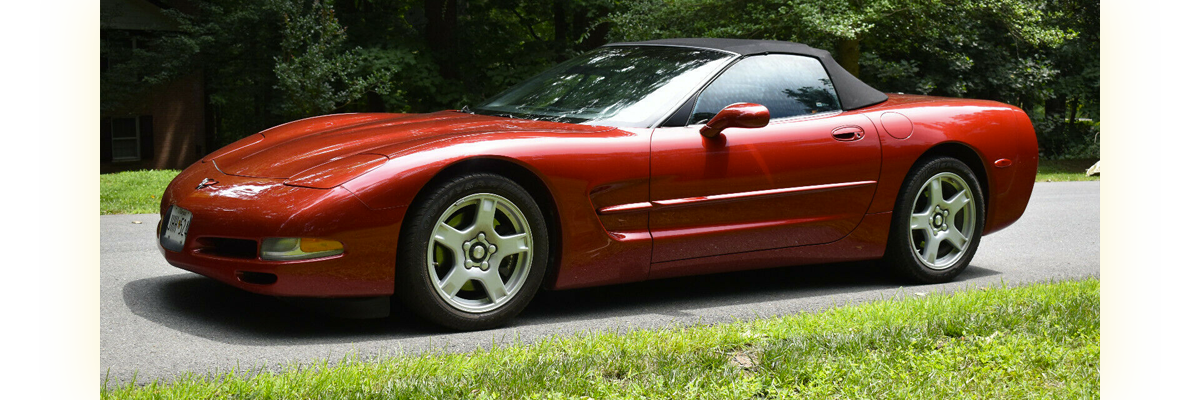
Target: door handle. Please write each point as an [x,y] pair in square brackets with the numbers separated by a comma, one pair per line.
[848,133]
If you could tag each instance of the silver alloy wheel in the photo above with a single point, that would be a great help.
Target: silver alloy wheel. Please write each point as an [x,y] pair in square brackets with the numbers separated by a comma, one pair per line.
[480,253]
[940,227]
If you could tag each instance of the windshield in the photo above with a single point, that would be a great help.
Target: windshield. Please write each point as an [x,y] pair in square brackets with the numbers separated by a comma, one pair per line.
[616,86]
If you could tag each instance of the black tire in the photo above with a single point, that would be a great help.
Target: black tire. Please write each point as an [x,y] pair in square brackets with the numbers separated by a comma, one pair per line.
[474,304]
[932,254]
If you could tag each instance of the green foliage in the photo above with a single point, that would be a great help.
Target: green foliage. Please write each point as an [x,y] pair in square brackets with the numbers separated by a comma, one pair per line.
[647,19]
[267,62]
[1059,138]
[316,73]
[234,44]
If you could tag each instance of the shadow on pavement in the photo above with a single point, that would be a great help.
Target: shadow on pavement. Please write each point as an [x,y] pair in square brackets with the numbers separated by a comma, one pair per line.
[203,307]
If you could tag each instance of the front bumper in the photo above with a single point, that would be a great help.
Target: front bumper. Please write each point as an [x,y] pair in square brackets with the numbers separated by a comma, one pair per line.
[232,217]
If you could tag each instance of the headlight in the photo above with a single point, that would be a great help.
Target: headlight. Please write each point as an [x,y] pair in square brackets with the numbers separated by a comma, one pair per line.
[287,249]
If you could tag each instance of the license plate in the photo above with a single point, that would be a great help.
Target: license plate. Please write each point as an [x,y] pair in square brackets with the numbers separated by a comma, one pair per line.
[175,230]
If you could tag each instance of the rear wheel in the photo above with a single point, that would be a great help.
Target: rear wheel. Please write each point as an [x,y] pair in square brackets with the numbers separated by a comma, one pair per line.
[474,253]
[937,222]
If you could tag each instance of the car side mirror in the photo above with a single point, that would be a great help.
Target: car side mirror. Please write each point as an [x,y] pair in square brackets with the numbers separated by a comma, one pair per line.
[737,115]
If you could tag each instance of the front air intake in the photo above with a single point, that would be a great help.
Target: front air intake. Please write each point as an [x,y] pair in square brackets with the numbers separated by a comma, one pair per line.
[227,247]
[256,278]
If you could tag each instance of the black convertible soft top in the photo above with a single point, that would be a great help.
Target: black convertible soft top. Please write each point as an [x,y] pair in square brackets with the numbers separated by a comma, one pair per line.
[852,92]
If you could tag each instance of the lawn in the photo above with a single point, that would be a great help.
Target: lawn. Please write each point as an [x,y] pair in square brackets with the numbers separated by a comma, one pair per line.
[133,192]
[1065,170]
[1036,341]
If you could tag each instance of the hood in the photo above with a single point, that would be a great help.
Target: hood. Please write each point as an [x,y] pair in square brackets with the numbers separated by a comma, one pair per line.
[287,150]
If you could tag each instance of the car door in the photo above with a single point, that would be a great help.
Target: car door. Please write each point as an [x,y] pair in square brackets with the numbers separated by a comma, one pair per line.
[805,178]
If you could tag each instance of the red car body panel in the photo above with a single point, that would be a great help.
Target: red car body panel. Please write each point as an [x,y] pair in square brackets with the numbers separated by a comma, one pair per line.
[749,192]
[628,204]
[251,209]
[991,130]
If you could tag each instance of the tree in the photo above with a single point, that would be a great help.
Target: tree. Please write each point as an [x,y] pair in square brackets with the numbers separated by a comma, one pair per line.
[270,61]
[316,72]
[264,63]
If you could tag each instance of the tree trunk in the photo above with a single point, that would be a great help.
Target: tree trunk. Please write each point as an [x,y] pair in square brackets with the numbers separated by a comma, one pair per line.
[560,23]
[440,34]
[1072,111]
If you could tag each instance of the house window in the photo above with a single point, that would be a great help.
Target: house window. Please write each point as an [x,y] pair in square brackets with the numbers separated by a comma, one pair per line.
[126,139]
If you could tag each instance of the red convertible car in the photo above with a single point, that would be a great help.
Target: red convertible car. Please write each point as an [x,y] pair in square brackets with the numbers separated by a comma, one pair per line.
[635,161]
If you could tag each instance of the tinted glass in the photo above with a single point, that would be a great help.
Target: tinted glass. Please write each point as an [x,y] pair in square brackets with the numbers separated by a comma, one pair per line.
[787,85]
[124,128]
[618,86]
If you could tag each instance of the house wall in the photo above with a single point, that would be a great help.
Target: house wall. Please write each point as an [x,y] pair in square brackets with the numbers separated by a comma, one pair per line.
[178,133]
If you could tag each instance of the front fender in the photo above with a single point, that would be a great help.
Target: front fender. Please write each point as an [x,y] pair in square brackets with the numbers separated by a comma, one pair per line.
[397,182]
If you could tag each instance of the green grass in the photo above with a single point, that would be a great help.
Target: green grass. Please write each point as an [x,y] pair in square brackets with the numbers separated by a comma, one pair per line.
[1037,341]
[1065,170]
[133,192]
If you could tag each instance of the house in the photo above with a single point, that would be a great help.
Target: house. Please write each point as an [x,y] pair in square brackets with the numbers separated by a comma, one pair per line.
[159,127]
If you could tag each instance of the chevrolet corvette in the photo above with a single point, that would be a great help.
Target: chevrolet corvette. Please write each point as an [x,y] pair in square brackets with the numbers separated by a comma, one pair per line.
[634,161]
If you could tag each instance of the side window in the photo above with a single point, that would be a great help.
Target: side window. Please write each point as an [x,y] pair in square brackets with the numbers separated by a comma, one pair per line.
[787,85]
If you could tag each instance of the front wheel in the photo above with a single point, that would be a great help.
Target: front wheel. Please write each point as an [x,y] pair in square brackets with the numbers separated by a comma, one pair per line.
[474,253]
[937,222]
